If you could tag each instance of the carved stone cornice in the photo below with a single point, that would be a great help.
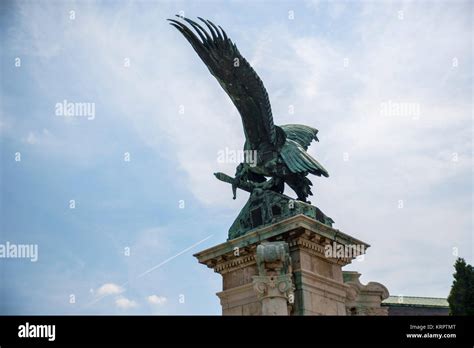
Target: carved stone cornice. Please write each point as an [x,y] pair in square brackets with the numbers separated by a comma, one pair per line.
[310,230]
[296,265]
[315,245]
[233,264]
[307,244]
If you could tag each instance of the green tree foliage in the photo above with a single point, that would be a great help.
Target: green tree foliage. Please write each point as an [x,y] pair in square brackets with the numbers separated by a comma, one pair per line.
[461,297]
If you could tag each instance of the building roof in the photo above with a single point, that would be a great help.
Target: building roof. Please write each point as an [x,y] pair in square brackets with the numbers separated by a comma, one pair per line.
[413,301]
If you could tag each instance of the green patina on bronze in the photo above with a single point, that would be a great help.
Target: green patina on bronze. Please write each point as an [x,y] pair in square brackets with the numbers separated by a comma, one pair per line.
[281,156]
[266,207]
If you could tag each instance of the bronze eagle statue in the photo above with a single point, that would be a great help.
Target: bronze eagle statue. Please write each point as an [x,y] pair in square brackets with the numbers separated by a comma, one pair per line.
[280,150]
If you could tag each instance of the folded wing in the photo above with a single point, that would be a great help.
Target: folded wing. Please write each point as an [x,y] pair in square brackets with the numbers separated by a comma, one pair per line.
[300,133]
[299,161]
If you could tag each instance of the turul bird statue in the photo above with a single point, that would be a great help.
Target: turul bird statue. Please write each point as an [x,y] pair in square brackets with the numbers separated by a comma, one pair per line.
[280,150]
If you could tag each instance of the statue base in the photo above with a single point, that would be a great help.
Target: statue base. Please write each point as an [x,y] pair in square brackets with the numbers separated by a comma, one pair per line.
[266,207]
[319,286]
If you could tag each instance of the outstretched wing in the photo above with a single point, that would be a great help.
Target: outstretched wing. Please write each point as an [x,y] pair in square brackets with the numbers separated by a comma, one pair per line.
[300,133]
[236,77]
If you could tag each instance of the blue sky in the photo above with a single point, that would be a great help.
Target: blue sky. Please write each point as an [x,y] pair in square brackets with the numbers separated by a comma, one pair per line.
[335,64]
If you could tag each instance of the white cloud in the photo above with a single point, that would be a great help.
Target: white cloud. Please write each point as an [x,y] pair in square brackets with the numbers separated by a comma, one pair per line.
[109,289]
[151,108]
[386,62]
[390,158]
[157,300]
[39,137]
[31,138]
[125,303]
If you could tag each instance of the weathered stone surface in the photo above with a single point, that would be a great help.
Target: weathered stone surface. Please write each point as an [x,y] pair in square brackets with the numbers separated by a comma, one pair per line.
[274,285]
[274,292]
[319,285]
[364,299]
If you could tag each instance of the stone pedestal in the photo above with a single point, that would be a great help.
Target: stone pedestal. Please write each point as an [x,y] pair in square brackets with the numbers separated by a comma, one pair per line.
[317,253]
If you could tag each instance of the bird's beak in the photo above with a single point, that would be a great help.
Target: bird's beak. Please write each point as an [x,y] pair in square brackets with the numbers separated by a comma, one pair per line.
[316,138]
